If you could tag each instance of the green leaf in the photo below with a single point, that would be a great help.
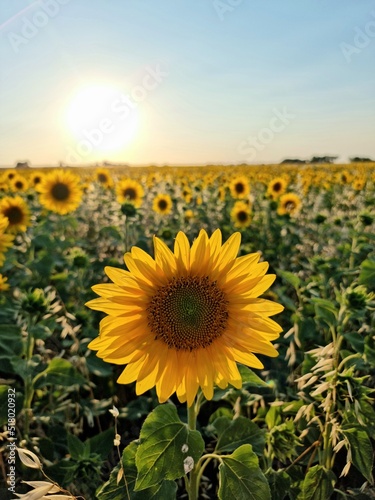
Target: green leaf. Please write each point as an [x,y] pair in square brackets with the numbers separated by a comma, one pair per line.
[102,443]
[60,372]
[165,442]
[318,484]
[362,454]
[325,310]
[289,277]
[11,345]
[241,477]
[251,378]
[77,448]
[112,490]
[237,432]
[279,483]
[367,274]
[273,417]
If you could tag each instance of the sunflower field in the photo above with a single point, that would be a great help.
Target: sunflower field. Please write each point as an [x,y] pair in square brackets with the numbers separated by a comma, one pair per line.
[138,356]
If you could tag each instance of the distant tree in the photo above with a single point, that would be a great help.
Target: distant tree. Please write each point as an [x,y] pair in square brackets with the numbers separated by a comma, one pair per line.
[293,160]
[323,159]
[358,159]
[22,164]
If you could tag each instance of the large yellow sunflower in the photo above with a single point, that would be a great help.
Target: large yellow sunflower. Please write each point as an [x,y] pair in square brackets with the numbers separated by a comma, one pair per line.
[15,209]
[162,204]
[60,191]
[184,320]
[6,240]
[239,187]
[241,214]
[130,191]
[289,203]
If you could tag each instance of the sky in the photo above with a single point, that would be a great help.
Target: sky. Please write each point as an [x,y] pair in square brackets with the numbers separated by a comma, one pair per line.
[185,82]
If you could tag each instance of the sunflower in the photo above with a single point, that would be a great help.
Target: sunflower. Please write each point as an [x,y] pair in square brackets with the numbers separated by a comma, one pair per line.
[60,191]
[187,194]
[162,204]
[276,188]
[17,212]
[290,203]
[239,187]
[129,191]
[6,240]
[19,183]
[359,183]
[103,177]
[241,214]
[3,283]
[188,215]
[36,179]
[185,319]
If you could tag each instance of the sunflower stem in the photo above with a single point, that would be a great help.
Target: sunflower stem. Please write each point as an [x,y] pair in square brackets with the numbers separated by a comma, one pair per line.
[193,483]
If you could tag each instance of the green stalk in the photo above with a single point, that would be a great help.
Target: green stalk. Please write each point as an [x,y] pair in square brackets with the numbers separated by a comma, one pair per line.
[193,483]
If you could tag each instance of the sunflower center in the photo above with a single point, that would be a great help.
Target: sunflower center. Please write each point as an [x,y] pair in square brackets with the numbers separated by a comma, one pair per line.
[188,313]
[102,178]
[239,187]
[130,193]
[277,187]
[14,215]
[19,185]
[242,216]
[290,205]
[162,204]
[60,191]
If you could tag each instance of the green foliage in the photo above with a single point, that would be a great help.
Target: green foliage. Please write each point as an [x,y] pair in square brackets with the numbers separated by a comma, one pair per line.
[165,445]
[241,477]
[301,428]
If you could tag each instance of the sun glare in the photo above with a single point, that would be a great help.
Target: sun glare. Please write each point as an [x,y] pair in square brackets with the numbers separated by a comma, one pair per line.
[101,118]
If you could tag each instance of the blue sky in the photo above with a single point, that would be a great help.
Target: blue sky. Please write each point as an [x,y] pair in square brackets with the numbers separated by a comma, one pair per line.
[186,82]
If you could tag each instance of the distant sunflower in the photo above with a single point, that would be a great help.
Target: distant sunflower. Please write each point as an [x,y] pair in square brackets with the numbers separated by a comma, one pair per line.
[221,193]
[130,191]
[60,191]
[9,174]
[187,194]
[19,183]
[359,183]
[241,215]
[276,187]
[289,203]
[188,215]
[103,177]
[15,209]
[239,187]
[4,286]
[6,240]
[162,204]
[185,319]
[36,179]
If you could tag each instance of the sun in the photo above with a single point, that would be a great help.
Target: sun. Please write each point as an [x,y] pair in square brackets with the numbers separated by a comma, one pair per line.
[101,118]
